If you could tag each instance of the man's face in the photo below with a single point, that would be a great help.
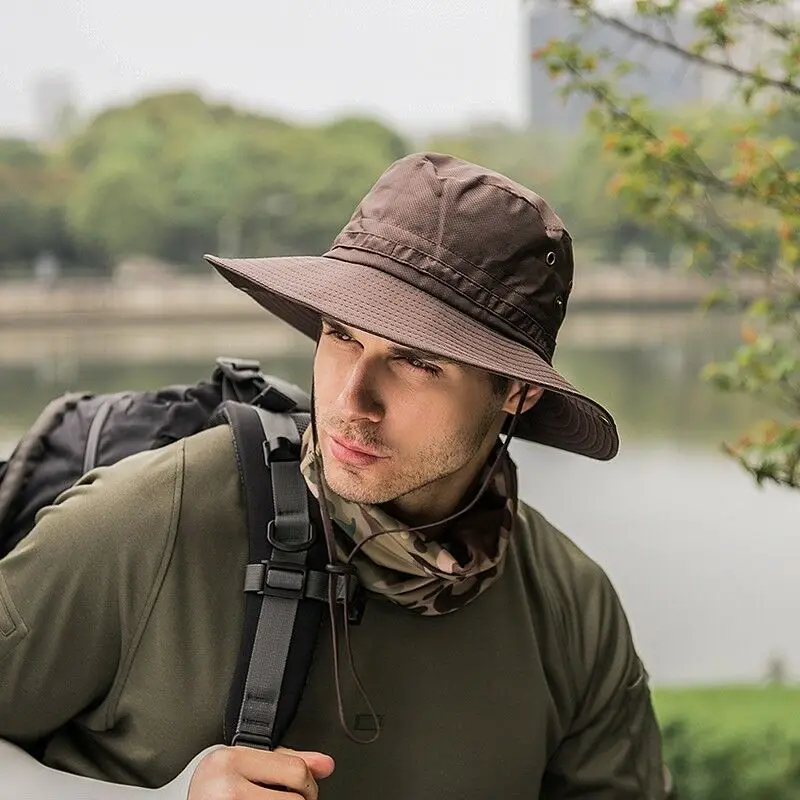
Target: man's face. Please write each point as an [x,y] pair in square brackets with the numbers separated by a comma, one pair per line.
[393,421]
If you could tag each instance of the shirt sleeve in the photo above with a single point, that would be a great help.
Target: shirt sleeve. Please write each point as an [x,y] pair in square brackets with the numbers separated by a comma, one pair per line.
[73,591]
[24,777]
[612,750]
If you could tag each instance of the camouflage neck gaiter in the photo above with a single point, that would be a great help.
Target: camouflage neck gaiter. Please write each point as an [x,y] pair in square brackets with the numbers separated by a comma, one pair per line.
[426,576]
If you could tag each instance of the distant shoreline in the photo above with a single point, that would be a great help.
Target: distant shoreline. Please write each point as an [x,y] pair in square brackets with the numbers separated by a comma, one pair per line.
[68,338]
[189,301]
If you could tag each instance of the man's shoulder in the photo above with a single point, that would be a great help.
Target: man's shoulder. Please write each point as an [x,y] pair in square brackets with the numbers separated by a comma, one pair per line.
[211,451]
[564,566]
[195,473]
[155,472]
[138,499]
[581,598]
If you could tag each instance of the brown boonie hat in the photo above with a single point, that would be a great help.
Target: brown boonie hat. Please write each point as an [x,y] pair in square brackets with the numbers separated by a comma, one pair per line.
[457,260]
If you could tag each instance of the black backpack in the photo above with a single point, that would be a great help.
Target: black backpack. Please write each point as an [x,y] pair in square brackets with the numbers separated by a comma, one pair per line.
[288,576]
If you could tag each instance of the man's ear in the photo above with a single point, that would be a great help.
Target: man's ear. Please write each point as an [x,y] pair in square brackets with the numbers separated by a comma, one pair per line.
[532,396]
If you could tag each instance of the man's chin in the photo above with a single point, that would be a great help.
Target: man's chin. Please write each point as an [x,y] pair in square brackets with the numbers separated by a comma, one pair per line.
[353,485]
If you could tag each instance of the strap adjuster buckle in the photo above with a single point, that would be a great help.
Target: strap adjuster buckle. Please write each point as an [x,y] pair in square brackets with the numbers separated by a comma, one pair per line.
[282,450]
[273,399]
[284,579]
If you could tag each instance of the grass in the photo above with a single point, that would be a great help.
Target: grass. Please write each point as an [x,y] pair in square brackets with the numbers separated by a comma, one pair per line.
[732,710]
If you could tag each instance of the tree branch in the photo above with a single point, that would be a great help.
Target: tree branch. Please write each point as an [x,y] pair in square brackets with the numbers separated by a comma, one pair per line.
[699,172]
[698,58]
[784,32]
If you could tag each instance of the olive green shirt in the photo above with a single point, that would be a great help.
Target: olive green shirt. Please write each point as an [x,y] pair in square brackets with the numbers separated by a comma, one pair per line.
[120,618]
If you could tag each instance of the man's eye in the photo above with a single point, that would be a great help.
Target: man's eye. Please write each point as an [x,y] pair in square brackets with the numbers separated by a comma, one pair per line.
[417,364]
[339,335]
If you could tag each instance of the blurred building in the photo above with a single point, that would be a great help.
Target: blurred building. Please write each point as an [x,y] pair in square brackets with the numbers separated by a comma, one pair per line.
[54,102]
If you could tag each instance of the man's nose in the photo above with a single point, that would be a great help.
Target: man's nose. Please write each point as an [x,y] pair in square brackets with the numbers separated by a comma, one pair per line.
[359,398]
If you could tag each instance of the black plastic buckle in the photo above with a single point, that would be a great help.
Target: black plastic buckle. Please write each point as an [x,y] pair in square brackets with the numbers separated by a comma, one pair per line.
[239,369]
[285,451]
[356,606]
[293,585]
[252,740]
[236,373]
[273,399]
[292,547]
[356,597]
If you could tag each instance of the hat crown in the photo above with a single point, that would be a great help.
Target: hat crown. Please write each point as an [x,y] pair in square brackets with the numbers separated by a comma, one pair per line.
[471,237]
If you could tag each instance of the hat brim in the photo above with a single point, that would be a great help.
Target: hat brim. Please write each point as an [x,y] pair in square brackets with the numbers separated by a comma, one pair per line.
[301,289]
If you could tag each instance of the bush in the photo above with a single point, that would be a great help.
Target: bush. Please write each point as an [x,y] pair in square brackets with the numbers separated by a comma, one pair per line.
[763,764]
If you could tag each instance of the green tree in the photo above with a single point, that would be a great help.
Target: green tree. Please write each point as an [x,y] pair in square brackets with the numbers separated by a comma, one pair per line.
[33,192]
[333,167]
[122,199]
[131,161]
[736,205]
[175,176]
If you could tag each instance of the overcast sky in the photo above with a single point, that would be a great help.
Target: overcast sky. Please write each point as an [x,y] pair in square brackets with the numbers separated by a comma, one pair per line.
[418,64]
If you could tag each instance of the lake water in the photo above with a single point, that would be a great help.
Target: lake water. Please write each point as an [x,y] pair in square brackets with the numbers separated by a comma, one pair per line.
[706,563]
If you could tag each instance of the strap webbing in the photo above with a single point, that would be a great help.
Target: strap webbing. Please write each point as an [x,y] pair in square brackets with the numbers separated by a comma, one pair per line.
[277,647]
[290,528]
[289,531]
[268,661]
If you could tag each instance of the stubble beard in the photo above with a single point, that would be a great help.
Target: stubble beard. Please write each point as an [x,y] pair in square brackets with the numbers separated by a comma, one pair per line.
[440,460]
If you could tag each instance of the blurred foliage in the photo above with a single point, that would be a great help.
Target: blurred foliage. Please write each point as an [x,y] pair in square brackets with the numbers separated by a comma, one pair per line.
[173,176]
[726,184]
[33,200]
[758,765]
[736,710]
[732,743]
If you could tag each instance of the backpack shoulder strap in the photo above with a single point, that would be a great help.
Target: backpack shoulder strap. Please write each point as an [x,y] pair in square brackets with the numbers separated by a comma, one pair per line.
[286,581]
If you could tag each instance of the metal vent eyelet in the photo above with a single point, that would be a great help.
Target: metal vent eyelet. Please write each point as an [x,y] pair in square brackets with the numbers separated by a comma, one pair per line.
[550,259]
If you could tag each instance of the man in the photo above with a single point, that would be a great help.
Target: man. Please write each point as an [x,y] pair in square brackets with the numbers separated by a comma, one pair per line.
[495,655]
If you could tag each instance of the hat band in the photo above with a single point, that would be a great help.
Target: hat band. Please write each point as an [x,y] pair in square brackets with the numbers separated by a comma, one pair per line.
[359,251]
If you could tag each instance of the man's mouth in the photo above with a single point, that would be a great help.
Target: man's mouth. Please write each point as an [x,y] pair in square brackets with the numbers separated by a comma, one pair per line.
[352,453]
